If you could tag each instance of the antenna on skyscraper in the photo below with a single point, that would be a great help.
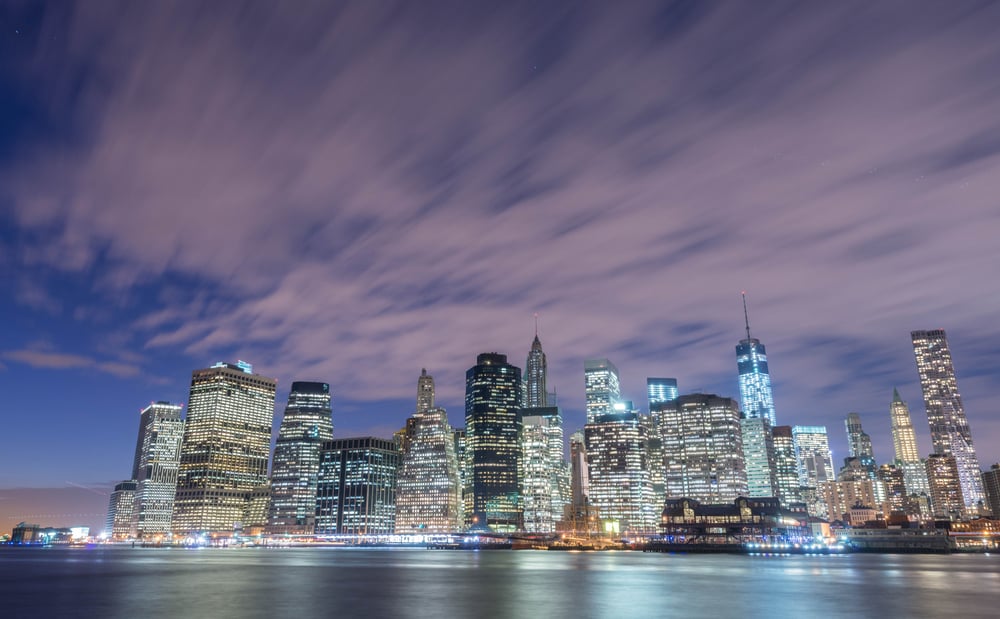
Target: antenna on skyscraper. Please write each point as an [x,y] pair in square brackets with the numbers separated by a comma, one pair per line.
[536,324]
[746,316]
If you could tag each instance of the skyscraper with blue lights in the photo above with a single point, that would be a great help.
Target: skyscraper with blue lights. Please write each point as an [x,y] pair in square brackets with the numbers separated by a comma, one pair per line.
[755,380]
[660,390]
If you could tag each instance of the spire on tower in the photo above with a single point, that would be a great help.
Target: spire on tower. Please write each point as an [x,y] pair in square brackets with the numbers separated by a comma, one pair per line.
[746,316]
[895,395]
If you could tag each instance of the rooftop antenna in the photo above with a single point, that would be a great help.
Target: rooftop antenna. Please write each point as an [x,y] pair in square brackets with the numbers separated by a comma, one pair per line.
[536,324]
[746,316]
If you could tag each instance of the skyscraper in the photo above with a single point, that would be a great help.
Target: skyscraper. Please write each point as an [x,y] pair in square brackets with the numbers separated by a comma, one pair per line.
[543,487]
[786,468]
[305,426]
[603,387]
[758,454]
[991,486]
[660,390]
[493,438]
[119,522]
[904,442]
[157,458]
[356,494]
[535,371]
[703,448]
[580,476]
[815,464]
[227,441]
[425,392]
[755,380]
[859,444]
[950,432]
[428,487]
[945,481]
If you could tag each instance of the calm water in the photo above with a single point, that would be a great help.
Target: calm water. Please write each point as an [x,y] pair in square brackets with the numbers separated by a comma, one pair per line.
[138,583]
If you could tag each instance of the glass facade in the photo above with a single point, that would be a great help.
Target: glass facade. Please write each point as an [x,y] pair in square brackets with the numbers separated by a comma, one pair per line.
[305,426]
[758,454]
[945,481]
[157,459]
[950,433]
[493,392]
[544,481]
[619,486]
[119,523]
[356,494]
[428,486]
[786,469]
[815,465]
[535,376]
[755,380]
[660,390]
[603,387]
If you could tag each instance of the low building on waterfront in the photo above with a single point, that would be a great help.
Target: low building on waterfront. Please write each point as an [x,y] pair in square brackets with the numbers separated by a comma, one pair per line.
[743,520]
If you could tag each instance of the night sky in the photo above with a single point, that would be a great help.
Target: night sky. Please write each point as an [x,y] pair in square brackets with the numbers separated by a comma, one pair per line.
[350,193]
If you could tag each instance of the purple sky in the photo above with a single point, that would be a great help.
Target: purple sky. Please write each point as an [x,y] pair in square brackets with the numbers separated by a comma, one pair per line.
[350,194]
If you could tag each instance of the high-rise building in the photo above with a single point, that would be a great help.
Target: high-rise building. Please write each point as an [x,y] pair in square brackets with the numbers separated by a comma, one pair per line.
[425,392]
[543,469]
[786,467]
[356,494]
[306,425]
[755,379]
[535,376]
[119,522]
[227,441]
[758,454]
[815,463]
[859,446]
[991,486]
[428,486]
[654,456]
[580,476]
[839,497]
[603,387]
[950,432]
[893,481]
[157,458]
[660,390]
[945,481]
[904,442]
[493,439]
[619,484]
[703,448]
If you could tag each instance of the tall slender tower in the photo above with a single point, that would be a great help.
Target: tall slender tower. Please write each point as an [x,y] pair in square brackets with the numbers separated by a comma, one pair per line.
[950,432]
[904,442]
[859,444]
[603,388]
[157,458]
[425,392]
[305,426]
[493,391]
[535,370]
[755,380]
[227,442]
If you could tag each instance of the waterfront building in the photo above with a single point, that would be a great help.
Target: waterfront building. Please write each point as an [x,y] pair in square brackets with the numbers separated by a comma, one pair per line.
[947,501]
[157,459]
[894,484]
[493,439]
[991,487]
[119,522]
[904,442]
[654,456]
[660,390]
[580,476]
[543,470]
[603,387]
[754,376]
[356,493]
[619,486]
[428,486]
[535,376]
[786,469]
[257,510]
[306,425]
[840,497]
[226,447]
[815,464]
[703,448]
[742,519]
[758,454]
[950,433]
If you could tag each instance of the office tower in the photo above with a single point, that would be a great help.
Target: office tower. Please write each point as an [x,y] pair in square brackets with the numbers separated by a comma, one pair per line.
[839,497]
[904,442]
[991,486]
[428,486]
[257,511]
[755,380]
[118,524]
[950,432]
[759,457]
[945,481]
[786,467]
[227,441]
[157,458]
[893,481]
[859,446]
[815,464]
[544,479]
[425,392]
[305,426]
[654,457]
[535,371]
[703,448]
[619,484]
[660,390]
[493,440]
[580,476]
[603,387]
[356,493]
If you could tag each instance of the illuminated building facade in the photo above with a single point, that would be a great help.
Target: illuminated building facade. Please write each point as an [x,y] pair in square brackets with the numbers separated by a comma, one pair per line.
[428,487]
[226,447]
[703,448]
[950,433]
[493,439]
[859,443]
[660,390]
[758,454]
[943,476]
[619,486]
[119,522]
[904,443]
[579,473]
[754,376]
[603,387]
[893,482]
[544,480]
[305,426]
[157,459]
[535,376]
[991,487]
[786,467]
[815,465]
[425,392]
[356,494]
[840,497]
[654,457]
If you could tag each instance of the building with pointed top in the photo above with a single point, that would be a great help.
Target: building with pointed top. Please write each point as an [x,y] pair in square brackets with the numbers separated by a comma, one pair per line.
[535,371]
[425,391]
[755,379]
[904,443]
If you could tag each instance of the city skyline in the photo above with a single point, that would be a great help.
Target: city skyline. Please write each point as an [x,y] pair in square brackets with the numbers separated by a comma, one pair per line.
[352,208]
